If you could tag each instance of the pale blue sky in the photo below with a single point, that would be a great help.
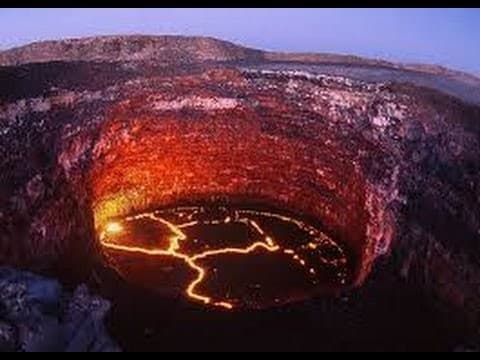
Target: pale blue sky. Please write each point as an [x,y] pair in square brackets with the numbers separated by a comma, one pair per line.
[449,37]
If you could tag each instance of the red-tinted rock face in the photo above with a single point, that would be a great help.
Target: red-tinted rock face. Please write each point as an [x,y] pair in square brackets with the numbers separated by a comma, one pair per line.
[158,149]
[391,170]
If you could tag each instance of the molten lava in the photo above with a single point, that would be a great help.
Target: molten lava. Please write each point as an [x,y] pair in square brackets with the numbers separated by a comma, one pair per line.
[182,234]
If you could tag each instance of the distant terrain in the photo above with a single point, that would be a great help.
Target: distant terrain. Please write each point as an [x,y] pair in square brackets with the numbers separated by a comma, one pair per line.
[170,49]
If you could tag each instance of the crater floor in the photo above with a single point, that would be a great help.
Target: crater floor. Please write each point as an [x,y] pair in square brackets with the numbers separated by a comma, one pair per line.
[229,258]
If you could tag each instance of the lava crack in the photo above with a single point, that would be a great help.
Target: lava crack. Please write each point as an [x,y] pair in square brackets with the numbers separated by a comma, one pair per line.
[111,234]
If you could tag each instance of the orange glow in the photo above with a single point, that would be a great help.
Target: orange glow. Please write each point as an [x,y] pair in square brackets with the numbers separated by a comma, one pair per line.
[114,228]
[179,236]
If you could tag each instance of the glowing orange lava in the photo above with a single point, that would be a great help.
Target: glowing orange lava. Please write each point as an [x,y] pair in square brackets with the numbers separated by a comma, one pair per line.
[113,229]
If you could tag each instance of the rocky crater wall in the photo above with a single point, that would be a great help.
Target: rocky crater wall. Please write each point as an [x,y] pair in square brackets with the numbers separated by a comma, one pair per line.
[390,169]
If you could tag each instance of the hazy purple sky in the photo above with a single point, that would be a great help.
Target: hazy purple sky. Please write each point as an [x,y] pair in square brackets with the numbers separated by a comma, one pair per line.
[449,37]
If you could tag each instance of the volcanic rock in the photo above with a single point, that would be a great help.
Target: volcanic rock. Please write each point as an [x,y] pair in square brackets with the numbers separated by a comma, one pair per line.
[388,161]
[38,315]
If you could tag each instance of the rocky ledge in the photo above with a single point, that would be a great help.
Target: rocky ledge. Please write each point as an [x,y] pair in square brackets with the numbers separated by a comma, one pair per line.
[37,314]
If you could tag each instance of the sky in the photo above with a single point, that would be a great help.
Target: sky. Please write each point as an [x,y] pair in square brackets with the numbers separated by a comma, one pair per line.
[449,37]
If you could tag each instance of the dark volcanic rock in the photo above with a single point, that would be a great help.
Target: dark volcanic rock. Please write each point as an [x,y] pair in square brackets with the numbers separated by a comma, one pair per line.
[36,314]
[120,124]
